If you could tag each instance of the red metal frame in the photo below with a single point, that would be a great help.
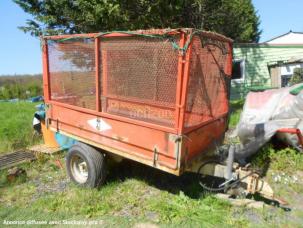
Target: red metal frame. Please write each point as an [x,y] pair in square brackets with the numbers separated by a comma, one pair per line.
[179,83]
[46,84]
[294,131]
[104,79]
[59,37]
[117,34]
[183,72]
[97,66]
[136,101]
[198,126]
[186,72]
[183,61]
[115,117]
[150,140]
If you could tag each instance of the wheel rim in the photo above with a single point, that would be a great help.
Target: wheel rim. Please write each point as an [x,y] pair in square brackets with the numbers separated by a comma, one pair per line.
[79,169]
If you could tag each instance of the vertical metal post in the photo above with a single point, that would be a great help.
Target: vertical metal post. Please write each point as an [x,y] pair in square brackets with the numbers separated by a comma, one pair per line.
[179,82]
[104,80]
[97,68]
[229,62]
[186,69]
[45,64]
[228,72]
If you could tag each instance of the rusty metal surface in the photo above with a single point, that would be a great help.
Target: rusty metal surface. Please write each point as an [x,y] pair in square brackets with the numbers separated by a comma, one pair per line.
[207,91]
[12,159]
[129,93]
[108,133]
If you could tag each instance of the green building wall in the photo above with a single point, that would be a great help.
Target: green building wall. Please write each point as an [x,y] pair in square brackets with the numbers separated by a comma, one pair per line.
[256,58]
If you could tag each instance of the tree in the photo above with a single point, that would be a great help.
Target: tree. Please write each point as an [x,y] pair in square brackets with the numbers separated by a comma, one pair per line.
[297,76]
[236,19]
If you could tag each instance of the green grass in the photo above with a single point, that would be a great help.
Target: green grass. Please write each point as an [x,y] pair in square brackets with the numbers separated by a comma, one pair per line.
[16,125]
[286,159]
[20,86]
[235,112]
[133,193]
[126,199]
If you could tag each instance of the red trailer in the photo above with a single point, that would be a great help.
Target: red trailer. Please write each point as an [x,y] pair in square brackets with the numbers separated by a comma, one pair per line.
[158,97]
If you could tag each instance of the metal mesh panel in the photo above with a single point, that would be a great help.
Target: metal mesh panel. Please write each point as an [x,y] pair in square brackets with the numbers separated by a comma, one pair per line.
[139,77]
[207,89]
[72,72]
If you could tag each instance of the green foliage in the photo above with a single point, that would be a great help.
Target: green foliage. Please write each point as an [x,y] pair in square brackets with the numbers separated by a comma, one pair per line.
[236,19]
[288,159]
[297,76]
[235,112]
[16,125]
[180,209]
[19,179]
[262,158]
[21,86]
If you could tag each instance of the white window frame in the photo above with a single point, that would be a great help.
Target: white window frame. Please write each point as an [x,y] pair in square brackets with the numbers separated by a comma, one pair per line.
[242,66]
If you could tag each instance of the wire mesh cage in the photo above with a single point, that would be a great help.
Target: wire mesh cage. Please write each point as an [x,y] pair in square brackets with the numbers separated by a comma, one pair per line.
[141,75]
[139,78]
[72,72]
[207,87]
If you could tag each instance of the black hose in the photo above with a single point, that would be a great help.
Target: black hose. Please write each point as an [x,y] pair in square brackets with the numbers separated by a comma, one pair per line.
[223,188]
[211,189]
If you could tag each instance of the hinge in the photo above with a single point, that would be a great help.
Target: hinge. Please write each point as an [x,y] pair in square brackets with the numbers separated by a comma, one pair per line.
[156,150]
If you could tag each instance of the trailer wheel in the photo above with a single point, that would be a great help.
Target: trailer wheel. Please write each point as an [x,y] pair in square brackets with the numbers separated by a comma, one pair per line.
[85,165]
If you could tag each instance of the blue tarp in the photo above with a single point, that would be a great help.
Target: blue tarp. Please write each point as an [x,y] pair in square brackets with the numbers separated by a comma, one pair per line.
[63,141]
[35,99]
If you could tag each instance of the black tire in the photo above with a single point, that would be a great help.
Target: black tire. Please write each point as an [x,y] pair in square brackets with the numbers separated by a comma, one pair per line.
[86,166]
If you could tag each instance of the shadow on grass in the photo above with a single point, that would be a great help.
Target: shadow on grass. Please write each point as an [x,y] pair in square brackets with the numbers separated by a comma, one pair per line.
[187,183]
